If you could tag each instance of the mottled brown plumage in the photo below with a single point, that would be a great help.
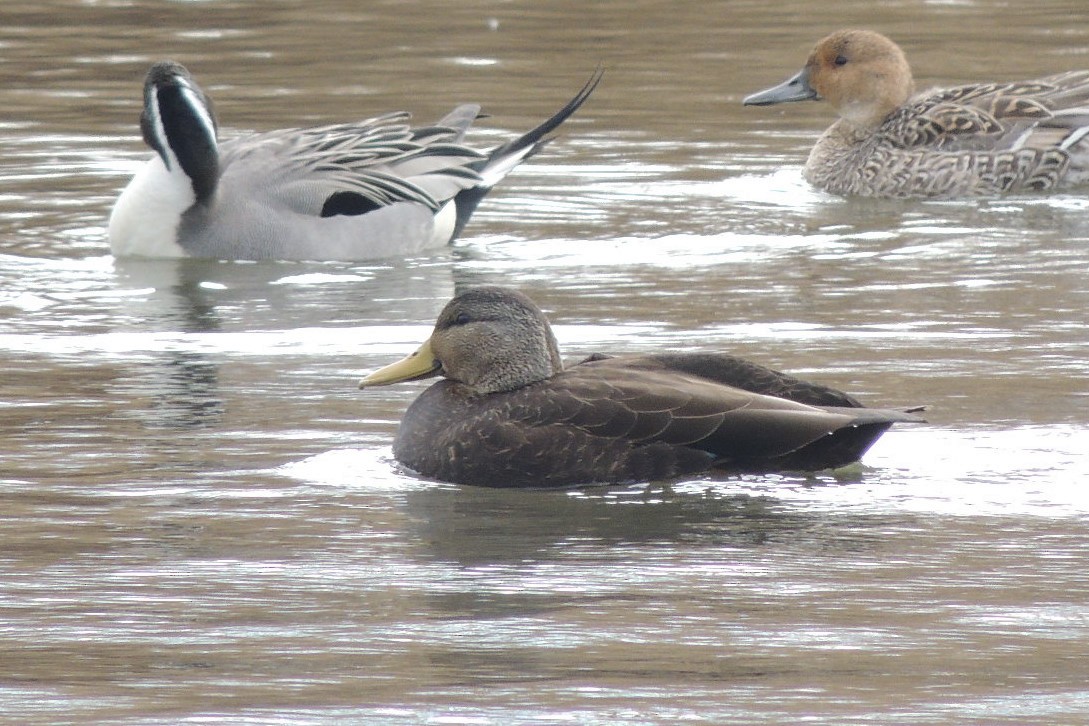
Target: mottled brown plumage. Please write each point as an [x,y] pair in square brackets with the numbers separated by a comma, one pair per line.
[509,415]
[973,140]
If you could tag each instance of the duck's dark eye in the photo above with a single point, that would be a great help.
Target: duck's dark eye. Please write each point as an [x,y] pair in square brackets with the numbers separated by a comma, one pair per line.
[462,318]
[841,60]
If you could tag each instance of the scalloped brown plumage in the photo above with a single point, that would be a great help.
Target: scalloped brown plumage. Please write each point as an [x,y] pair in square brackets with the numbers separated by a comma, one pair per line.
[509,414]
[973,140]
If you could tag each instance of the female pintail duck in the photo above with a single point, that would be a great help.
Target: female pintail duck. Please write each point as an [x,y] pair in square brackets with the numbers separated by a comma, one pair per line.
[981,139]
[508,414]
[376,188]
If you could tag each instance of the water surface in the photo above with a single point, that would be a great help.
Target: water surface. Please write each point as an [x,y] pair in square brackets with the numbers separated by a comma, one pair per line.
[202,522]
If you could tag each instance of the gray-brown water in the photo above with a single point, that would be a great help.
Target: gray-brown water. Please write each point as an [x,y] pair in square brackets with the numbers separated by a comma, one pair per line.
[201,521]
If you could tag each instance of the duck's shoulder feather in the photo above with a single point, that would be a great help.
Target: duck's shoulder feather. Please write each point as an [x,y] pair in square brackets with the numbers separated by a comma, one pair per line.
[381,161]
[991,116]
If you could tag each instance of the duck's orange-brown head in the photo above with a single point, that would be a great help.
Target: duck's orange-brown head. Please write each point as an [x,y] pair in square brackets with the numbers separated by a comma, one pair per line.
[863,74]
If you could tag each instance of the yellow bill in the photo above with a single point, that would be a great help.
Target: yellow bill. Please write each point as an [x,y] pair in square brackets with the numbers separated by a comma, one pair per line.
[420,364]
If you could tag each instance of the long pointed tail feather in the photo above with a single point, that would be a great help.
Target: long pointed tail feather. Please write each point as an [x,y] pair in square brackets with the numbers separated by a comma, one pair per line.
[502,159]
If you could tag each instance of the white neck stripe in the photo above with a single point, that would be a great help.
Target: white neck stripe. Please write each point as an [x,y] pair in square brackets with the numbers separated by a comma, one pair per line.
[200,113]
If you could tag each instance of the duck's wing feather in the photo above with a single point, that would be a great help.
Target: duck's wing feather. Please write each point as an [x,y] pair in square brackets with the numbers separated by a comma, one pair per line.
[737,372]
[362,166]
[641,405]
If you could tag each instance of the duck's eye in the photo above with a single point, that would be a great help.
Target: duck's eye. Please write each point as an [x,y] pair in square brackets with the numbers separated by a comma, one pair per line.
[841,60]
[462,318]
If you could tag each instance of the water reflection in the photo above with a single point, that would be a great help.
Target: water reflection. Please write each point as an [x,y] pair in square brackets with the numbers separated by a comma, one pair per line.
[476,528]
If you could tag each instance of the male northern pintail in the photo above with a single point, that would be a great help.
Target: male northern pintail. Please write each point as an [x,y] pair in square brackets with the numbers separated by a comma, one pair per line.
[508,413]
[979,139]
[375,188]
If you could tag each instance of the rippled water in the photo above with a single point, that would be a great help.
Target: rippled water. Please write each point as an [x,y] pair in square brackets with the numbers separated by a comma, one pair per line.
[201,518]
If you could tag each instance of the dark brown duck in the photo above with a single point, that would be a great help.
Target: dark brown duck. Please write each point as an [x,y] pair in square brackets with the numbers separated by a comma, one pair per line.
[508,414]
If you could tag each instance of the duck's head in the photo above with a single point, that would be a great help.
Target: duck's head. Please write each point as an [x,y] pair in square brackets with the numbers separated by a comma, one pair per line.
[863,74]
[179,123]
[491,339]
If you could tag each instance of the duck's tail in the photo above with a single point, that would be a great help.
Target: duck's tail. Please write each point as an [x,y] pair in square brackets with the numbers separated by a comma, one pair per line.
[501,160]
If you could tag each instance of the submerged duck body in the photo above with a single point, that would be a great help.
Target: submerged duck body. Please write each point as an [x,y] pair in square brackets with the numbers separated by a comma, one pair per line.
[370,189]
[974,140]
[508,414]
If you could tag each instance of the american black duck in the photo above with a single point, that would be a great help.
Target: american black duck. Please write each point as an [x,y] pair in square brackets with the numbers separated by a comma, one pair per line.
[508,414]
